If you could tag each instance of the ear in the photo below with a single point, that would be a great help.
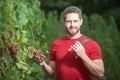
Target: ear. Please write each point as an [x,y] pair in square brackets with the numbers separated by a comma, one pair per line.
[81,21]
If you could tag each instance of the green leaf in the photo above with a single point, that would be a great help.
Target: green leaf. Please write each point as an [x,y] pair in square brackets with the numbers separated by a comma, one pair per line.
[36,67]
[7,59]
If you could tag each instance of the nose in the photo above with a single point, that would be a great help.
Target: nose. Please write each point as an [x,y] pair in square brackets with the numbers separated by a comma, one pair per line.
[72,23]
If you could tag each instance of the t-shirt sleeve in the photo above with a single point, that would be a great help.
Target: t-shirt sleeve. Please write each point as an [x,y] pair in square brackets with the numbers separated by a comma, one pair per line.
[52,53]
[95,52]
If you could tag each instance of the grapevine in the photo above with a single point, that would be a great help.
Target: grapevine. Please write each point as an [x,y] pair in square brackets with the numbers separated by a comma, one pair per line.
[22,24]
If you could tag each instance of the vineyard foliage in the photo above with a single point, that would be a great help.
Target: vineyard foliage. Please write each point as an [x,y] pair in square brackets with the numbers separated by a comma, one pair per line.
[22,27]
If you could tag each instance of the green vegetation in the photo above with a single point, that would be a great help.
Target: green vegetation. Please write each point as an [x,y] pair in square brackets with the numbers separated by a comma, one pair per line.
[23,25]
[89,7]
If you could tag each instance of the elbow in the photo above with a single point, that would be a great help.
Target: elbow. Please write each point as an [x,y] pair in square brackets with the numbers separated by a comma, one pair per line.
[48,75]
[101,75]
[51,75]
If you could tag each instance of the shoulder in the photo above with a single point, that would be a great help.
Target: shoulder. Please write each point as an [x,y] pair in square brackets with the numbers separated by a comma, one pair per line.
[59,41]
[92,43]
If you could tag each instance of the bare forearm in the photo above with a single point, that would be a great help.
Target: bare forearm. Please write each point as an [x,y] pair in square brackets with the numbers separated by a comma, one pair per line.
[40,59]
[48,69]
[95,67]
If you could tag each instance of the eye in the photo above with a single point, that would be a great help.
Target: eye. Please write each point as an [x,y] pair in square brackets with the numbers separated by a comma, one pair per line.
[68,21]
[75,20]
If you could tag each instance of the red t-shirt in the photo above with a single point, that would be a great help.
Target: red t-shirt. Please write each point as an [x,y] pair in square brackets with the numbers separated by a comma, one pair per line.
[67,66]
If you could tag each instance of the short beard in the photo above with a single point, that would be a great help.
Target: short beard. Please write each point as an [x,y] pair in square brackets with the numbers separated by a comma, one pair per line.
[73,33]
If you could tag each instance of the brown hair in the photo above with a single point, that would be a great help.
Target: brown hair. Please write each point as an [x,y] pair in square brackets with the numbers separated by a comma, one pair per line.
[72,9]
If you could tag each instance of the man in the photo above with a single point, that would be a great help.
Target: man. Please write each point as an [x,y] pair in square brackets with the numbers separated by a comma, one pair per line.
[74,56]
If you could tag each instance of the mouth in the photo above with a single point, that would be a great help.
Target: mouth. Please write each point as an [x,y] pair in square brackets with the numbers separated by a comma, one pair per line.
[71,27]
[72,30]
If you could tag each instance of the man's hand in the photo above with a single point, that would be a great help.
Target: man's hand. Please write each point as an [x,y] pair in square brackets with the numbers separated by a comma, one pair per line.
[79,49]
[39,58]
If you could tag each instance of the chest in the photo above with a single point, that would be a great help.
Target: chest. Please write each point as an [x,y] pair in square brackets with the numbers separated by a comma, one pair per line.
[63,54]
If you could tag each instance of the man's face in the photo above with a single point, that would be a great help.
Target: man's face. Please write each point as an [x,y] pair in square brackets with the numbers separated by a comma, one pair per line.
[72,23]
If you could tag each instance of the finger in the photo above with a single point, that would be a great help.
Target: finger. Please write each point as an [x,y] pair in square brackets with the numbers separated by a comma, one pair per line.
[37,57]
[76,46]
[38,61]
[79,43]
[43,56]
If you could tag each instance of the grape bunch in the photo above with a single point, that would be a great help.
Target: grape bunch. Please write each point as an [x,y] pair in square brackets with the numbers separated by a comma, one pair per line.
[38,56]
[13,50]
[9,48]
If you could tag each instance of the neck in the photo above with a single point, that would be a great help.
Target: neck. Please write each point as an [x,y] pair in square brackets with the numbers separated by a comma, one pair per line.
[74,36]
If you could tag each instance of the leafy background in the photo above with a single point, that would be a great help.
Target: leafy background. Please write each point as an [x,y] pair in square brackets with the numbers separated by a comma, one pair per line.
[37,24]
[22,23]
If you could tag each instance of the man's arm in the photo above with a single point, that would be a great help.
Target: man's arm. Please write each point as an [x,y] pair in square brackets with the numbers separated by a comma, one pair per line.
[96,67]
[49,68]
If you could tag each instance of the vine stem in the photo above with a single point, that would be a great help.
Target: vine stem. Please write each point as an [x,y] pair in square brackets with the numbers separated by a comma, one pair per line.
[33,38]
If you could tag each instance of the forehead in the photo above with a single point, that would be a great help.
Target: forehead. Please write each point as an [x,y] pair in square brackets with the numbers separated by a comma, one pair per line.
[72,16]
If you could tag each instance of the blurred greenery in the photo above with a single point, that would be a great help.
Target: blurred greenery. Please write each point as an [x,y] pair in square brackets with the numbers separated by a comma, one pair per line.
[23,23]
[31,28]
[89,7]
